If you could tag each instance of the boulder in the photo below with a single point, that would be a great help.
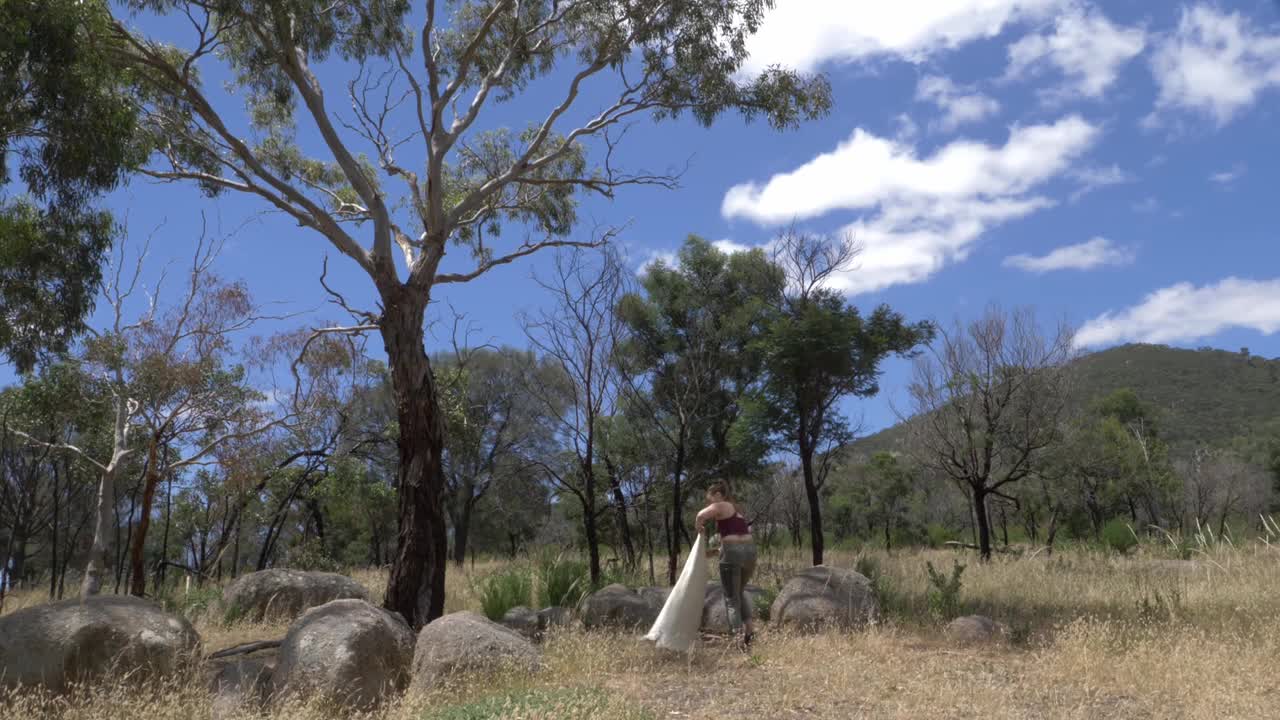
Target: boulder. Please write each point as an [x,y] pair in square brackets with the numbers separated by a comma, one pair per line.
[285,594]
[348,651]
[63,643]
[241,685]
[525,621]
[617,606]
[555,617]
[465,642]
[715,616]
[825,596]
[975,629]
[655,596]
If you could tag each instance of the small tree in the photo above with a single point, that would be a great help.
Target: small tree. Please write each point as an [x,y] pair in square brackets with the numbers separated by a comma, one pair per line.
[819,350]
[492,424]
[579,341]
[194,398]
[690,363]
[988,401]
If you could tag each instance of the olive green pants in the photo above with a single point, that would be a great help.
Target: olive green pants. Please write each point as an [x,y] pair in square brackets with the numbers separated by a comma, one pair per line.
[737,564]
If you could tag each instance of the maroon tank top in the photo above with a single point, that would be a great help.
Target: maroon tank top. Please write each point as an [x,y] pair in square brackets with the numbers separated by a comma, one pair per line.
[736,525]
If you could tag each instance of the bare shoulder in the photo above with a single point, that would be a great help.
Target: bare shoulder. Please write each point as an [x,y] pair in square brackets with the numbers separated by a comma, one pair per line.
[725,510]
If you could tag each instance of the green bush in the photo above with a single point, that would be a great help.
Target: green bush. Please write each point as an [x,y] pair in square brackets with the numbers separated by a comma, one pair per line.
[936,535]
[504,590]
[944,591]
[190,605]
[763,603]
[310,555]
[868,566]
[1117,536]
[562,581]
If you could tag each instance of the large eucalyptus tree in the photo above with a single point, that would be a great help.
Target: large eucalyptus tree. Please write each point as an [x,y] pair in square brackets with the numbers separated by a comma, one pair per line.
[347,169]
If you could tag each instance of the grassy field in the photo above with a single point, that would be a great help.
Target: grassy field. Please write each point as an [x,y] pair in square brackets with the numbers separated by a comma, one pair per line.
[1092,635]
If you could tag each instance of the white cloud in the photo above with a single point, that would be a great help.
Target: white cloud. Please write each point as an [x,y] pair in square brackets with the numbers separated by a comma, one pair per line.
[1097,178]
[959,105]
[668,258]
[807,34]
[1215,64]
[1226,177]
[1085,46]
[1147,205]
[730,247]
[1184,313]
[924,212]
[1088,255]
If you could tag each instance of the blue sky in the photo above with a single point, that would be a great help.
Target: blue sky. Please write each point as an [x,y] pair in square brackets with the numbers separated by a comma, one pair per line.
[1113,163]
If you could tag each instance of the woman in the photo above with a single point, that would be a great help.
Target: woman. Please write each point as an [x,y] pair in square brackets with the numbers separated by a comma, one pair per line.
[737,555]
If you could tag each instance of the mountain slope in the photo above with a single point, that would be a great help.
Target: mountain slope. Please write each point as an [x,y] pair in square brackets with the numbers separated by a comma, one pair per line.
[1198,395]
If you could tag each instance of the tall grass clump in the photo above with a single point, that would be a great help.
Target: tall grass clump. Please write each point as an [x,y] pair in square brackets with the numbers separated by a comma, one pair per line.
[562,581]
[503,590]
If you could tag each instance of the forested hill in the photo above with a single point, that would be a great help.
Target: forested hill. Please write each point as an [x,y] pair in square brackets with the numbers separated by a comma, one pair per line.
[1207,395]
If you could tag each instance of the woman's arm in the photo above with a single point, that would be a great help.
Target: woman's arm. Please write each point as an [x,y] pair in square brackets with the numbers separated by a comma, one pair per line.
[714,511]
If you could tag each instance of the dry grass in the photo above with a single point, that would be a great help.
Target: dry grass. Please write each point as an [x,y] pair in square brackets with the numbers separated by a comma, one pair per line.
[1095,636]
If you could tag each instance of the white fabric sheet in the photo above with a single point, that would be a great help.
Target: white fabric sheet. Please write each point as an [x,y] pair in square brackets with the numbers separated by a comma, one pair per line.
[681,617]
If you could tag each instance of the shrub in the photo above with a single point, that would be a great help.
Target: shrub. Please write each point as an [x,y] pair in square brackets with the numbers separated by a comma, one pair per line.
[1118,536]
[936,535]
[504,590]
[763,603]
[944,591]
[191,605]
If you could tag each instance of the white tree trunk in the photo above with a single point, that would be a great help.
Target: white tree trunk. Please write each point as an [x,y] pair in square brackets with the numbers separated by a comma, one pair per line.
[97,566]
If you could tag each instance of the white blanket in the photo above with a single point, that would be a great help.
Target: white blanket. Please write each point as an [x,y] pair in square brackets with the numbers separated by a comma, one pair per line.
[677,625]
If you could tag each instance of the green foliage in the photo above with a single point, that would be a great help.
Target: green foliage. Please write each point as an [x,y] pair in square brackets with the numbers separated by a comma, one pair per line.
[562,581]
[561,703]
[762,604]
[311,554]
[65,117]
[1118,536]
[505,589]
[882,585]
[192,605]
[691,333]
[944,591]
[937,535]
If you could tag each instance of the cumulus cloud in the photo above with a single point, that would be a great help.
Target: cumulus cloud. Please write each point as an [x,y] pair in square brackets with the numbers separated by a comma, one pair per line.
[1085,46]
[1088,255]
[851,30]
[1214,64]
[923,211]
[959,105]
[1185,313]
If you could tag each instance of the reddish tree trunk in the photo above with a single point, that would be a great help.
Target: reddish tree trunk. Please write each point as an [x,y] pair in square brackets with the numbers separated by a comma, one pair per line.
[415,587]
[137,559]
